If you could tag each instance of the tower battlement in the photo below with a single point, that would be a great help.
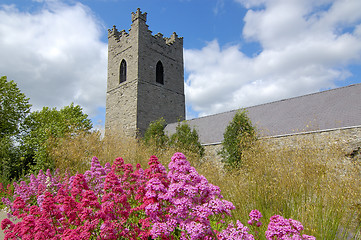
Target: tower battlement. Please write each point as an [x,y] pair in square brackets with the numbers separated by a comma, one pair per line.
[119,35]
[139,15]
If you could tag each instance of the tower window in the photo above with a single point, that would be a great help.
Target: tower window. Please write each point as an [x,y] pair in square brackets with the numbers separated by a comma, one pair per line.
[159,73]
[123,71]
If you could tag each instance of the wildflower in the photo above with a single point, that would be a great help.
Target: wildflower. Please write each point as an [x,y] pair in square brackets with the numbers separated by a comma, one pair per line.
[239,232]
[281,228]
[255,216]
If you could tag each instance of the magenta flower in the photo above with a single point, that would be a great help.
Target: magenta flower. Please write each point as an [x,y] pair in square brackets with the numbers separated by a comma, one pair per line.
[239,232]
[255,216]
[281,228]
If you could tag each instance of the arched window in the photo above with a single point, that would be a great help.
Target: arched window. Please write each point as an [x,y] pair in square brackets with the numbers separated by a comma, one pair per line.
[159,73]
[123,71]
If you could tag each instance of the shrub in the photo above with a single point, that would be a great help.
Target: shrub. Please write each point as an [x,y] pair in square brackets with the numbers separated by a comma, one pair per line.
[155,135]
[186,139]
[239,135]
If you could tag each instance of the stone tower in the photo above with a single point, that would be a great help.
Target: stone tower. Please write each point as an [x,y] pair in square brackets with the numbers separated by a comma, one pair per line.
[145,78]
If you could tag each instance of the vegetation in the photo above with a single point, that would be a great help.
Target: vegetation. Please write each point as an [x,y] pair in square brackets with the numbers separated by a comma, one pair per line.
[311,182]
[155,134]
[183,140]
[26,138]
[314,184]
[186,139]
[14,108]
[45,127]
[240,134]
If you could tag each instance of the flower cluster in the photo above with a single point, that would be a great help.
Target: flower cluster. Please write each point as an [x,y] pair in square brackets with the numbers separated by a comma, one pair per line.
[281,228]
[186,201]
[238,232]
[122,202]
[255,216]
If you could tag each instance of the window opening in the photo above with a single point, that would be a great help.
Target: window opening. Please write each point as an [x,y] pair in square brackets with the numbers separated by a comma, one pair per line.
[160,73]
[123,71]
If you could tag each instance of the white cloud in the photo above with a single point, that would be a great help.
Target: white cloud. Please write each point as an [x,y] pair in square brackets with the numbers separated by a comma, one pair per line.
[55,54]
[306,46]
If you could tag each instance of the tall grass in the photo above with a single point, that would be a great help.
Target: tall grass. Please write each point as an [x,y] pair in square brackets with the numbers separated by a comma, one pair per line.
[73,153]
[311,182]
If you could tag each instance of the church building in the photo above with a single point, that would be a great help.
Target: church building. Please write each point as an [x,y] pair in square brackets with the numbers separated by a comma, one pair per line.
[146,82]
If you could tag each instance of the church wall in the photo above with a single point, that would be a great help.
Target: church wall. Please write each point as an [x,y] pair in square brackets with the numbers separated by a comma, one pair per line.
[348,138]
[156,100]
[121,108]
[121,98]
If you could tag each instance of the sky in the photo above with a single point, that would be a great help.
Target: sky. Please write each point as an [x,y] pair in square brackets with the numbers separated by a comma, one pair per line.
[237,53]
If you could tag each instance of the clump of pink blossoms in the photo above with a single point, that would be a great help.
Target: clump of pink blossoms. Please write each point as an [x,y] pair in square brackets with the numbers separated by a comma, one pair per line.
[285,229]
[239,232]
[188,201]
[255,216]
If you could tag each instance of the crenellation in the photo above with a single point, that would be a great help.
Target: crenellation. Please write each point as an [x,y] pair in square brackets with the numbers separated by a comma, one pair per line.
[116,34]
[174,39]
[139,15]
[164,41]
[113,32]
[158,35]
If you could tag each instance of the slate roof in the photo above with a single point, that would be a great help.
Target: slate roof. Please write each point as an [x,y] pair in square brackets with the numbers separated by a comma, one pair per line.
[331,109]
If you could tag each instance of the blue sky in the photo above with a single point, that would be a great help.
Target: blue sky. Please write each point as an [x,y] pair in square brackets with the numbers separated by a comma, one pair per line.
[237,53]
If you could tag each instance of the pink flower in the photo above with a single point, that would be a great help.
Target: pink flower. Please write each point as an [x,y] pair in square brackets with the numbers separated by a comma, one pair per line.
[281,228]
[239,232]
[6,223]
[255,216]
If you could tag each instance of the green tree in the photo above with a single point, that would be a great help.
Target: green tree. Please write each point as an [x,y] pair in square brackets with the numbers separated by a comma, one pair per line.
[186,139]
[48,125]
[155,135]
[14,108]
[239,135]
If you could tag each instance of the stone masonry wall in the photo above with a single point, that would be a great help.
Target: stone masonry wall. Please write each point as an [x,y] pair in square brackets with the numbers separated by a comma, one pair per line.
[348,138]
[156,100]
[121,108]
[121,98]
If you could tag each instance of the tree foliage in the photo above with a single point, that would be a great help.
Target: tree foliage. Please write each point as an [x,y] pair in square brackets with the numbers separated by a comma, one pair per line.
[25,138]
[51,124]
[155,135]
[14,107]
[239,135]
[184,139]
[187,139]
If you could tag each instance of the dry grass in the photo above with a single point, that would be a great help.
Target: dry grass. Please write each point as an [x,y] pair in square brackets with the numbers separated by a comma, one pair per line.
[312,183]
[74,153]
